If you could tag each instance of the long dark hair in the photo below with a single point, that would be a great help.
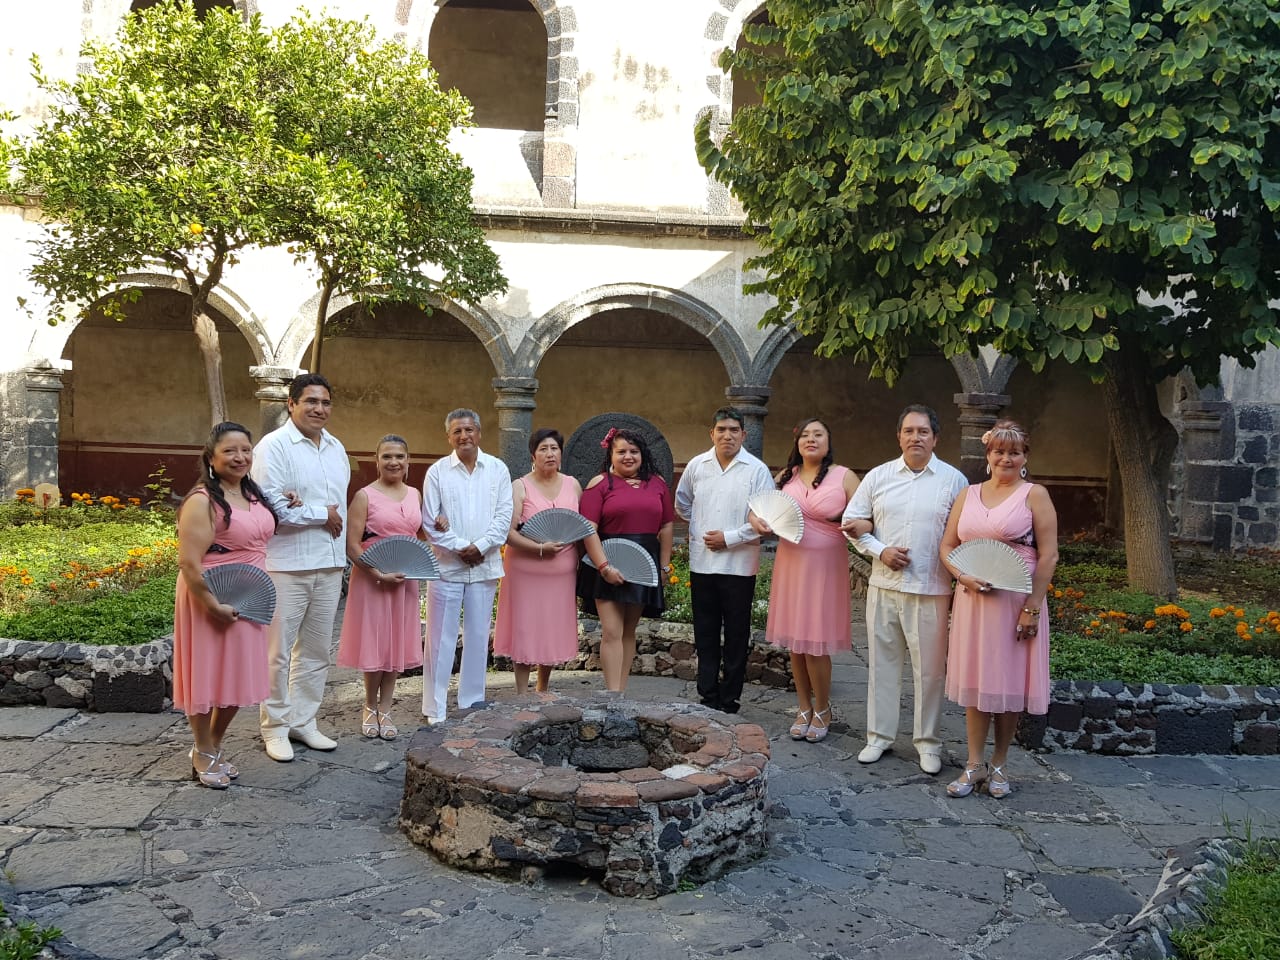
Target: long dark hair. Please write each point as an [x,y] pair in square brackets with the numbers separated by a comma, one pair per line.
[630,436]
[795,461]
[209,482]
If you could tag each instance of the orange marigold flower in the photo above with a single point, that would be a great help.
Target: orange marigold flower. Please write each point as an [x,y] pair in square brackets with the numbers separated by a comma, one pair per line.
[1124,630]
[92,584]
[1217,612]
[1148,625]
[673,579]
[25,492]
[1185,626]
[1095,623]
[1088,632]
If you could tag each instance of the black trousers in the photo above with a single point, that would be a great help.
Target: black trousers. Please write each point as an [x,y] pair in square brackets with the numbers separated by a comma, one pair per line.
[721,601]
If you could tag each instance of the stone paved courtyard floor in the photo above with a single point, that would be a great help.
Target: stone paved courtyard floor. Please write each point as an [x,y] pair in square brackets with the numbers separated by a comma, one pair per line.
[103,835]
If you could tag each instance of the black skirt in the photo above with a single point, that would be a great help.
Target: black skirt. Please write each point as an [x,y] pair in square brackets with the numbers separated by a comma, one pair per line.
[592,587]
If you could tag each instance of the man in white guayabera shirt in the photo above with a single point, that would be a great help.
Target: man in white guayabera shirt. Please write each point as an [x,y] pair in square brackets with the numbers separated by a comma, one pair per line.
[304,472]
[466,509]
[724,555]
[907,502]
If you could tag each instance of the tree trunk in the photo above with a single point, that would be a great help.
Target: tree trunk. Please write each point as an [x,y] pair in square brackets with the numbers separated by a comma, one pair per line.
[322,310]
[1144,443]
[211,352]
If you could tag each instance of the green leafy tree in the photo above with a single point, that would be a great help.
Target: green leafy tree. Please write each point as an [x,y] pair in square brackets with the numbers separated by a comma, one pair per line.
[382,206]
[1092,182]
[162,153]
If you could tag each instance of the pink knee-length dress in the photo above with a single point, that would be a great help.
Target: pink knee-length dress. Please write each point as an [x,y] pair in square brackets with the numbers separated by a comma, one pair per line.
[382,626]
[537,607]
[216,665]
[809,608]
[987,666]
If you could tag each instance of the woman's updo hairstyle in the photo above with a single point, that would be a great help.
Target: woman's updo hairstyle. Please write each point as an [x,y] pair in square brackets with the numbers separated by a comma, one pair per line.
[1007,431]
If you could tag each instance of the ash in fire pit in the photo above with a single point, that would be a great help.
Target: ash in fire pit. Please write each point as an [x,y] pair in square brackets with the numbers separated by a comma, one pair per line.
[645,795]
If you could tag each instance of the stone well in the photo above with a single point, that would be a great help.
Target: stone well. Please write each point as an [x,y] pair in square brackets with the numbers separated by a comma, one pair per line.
[644,795]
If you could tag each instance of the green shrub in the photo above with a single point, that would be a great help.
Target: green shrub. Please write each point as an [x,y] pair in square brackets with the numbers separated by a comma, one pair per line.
[1074,657]
[23,941]
[1242,920]
[138,616]
[45,563]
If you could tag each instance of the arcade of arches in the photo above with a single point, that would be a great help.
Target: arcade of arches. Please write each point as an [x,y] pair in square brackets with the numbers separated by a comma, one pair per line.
[134,396]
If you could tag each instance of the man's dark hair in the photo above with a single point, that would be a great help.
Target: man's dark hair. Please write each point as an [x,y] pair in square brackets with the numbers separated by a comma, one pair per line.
[728,413]
[304,380]
[919,408]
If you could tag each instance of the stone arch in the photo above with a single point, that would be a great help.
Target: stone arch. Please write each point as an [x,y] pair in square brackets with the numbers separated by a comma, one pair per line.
[559,148]
[677,304]
[988,372]
[222,301]
[780,340]
[298,335]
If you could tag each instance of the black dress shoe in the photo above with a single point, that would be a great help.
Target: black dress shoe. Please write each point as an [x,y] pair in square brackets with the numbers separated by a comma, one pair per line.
[730,707]
[713,704]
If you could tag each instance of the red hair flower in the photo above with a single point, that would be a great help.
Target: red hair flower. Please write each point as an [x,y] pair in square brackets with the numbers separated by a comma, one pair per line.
[608,438]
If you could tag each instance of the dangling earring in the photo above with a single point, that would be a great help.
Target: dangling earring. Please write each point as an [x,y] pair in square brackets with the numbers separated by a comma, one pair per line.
[988,469]
[212,476]
[1023,473]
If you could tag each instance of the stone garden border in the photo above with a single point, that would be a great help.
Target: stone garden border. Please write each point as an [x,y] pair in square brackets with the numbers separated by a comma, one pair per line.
[105,679]
[1134,719]
[1191,875]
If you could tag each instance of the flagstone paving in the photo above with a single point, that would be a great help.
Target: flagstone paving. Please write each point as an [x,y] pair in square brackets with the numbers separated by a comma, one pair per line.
[103,835]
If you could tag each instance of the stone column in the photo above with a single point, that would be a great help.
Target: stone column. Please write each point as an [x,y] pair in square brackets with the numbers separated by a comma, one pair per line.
[750,400]
[515,404]
[272,395]
[43,383]
[978,413]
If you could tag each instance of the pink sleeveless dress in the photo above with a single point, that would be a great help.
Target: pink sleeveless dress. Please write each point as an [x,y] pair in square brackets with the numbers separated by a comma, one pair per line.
[382,626]
[987,666]
[537,608]
[809,609]
[216,665]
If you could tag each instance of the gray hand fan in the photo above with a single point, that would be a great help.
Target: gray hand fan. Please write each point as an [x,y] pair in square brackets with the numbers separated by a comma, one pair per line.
[556,525]
[407,555]
[631,560]
[780,512]
[993,561]
[246,588]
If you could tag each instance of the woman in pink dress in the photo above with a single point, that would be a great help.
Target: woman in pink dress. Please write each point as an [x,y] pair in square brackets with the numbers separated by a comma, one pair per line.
[382,625]
[219,660]
[809,610]
[537,611]
[998,655]
[626,500]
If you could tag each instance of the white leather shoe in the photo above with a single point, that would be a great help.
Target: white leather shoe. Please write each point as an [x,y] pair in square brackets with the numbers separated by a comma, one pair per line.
[870,754]
[313,738]
[278,748]
[930,762]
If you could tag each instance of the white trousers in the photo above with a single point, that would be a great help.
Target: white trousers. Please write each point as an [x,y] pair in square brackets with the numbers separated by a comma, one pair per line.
[298,644]
[446,603]
[898,624]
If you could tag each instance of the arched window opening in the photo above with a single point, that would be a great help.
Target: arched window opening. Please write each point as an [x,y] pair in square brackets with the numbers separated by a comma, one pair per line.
[745,91]
[494,52]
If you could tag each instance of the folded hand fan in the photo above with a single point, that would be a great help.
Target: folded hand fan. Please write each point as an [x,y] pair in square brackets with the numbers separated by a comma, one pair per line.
[246,588]
[993,561]
[631,560]
[780,512]
[556,525]
[407,555]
